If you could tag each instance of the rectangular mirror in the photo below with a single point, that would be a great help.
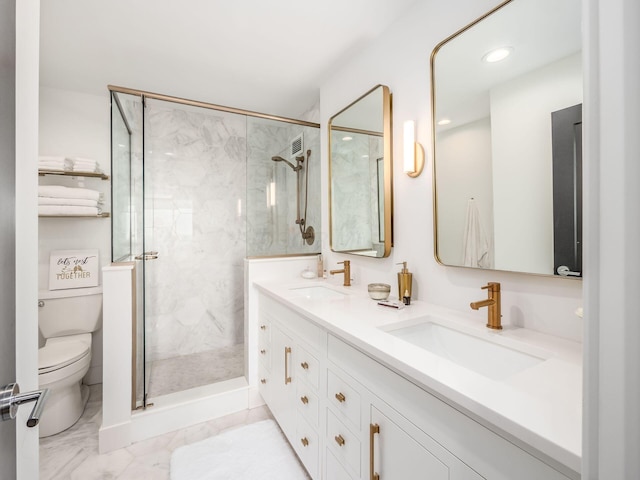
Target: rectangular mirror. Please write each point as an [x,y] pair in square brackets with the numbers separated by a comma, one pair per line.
[506,112]
[360,176]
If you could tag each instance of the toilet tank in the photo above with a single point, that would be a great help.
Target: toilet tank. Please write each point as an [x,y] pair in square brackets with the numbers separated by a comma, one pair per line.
[71,311]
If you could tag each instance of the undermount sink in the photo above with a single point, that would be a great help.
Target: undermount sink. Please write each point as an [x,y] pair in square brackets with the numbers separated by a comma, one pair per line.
[317,292]
[482,356]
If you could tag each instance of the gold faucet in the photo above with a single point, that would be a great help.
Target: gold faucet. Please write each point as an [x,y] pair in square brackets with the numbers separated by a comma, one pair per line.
[493,302]
[346,270]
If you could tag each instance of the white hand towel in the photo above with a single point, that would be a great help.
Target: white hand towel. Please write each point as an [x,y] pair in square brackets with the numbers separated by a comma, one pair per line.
[51,210]
[78,202]
[58,191]
[476,244]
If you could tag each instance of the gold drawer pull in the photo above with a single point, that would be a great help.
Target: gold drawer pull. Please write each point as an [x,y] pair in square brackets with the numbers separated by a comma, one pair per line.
[304,399]
[305,365]
[263,351]
[339,440]
[374,429]
[304,441]
[287,352]
[263,327]
[340,396]
[263,381]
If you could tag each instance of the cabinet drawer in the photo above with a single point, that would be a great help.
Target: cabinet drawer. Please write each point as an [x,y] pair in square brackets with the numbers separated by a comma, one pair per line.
[344,398]
[307,445]
[307,368]
[334,470]
[264,331]
[307,404]
[264,383]
[264,354]
[343,443]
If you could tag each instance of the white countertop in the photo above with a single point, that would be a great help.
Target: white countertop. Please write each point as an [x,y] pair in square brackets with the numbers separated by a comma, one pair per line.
[541,406]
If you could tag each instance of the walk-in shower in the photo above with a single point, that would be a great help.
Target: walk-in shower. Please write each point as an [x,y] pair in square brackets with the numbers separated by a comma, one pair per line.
[195,193]
[306,231]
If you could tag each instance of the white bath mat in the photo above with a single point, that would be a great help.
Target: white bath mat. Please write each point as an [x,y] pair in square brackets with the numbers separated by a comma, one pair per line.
[255,451]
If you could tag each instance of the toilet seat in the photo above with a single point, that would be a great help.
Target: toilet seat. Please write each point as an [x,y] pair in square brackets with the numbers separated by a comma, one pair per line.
[59,352]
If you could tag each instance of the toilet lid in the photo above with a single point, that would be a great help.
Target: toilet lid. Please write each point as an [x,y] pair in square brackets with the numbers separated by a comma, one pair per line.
[62,351]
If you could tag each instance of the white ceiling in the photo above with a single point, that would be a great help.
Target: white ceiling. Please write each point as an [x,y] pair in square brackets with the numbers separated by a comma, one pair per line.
[268,56]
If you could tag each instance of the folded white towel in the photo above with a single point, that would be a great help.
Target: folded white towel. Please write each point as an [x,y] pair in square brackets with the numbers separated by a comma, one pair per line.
[52,168]
[58,191]
[50,158]
[78,202]
[46,210]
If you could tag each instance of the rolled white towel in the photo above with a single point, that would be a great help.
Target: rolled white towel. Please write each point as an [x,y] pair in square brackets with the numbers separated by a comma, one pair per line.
[50,210]
[58,191]
[78,202]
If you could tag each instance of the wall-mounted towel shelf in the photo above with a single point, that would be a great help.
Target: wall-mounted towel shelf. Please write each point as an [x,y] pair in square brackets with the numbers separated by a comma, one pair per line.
[102,176]
[101,215]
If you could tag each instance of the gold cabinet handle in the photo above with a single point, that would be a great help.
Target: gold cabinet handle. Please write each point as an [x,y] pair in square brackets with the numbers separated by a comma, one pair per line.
[263,351]
[263,327]
[373,429]
[304,399]
[263,381]
[287,352]
[340,397]
[304,441]
[339,440]
[305,365]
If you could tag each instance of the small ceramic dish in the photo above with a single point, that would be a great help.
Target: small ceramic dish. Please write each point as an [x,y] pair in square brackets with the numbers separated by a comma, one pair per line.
[379,291]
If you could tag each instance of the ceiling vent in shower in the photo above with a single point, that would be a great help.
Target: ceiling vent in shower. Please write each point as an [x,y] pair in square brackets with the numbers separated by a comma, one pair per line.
[297,146]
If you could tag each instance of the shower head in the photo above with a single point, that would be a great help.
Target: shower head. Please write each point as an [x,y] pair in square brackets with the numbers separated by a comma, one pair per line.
[278,158]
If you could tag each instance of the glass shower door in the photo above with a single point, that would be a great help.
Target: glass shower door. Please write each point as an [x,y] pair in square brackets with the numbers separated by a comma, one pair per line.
[194,189]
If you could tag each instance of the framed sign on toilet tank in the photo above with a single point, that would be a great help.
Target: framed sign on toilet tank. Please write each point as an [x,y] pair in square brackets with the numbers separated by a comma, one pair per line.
[73,269]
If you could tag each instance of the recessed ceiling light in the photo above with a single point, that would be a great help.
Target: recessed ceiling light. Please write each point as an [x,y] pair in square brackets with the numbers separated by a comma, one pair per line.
[444,121]
[365,156]
[347,138]
[497,54]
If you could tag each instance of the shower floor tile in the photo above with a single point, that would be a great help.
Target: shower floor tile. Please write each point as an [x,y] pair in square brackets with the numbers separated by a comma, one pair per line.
[195,370]
[73,454]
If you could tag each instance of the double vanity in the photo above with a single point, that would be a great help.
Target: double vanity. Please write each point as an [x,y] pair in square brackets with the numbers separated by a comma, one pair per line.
[364,391]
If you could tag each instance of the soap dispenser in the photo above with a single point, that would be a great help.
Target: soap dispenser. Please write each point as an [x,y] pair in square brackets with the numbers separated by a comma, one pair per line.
[405,279]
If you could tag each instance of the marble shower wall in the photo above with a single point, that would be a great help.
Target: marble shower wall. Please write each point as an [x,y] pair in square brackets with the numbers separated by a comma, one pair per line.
[354,183]
[195,184]
[271,189]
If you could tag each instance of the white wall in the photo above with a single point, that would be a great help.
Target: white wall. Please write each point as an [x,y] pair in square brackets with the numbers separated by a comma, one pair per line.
[522,162]
[466,174]
[400,59]
[76,125]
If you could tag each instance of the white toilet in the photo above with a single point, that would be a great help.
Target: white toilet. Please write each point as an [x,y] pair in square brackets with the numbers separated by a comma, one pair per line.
[66,319]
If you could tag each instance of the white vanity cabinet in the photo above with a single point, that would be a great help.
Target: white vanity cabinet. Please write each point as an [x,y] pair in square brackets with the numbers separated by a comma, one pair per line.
[288,351]
[348,416]
[387,445]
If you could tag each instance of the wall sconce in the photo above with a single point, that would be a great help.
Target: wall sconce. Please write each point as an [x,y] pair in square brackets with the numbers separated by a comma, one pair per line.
[413,151]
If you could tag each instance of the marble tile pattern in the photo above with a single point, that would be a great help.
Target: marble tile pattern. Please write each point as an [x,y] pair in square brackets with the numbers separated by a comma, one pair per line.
[271,228]
[73,454]
[354,184]
[186,371]
[195,184]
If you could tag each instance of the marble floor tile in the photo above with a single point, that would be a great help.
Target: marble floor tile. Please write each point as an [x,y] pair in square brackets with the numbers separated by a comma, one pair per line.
[73,454]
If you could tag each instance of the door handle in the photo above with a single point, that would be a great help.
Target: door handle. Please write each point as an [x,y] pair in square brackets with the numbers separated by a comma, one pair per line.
[147,256]
[564,271]
[11,399]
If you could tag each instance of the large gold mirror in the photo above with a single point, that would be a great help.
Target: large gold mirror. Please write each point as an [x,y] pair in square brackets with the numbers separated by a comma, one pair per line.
[506,106]
[360,176]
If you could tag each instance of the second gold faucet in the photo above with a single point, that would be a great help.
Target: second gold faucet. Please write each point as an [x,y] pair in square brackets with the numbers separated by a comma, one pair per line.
[494,313]
[346,270]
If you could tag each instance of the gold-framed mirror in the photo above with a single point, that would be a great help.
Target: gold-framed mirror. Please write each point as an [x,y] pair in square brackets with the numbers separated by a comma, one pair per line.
[360,176]
[507,141]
